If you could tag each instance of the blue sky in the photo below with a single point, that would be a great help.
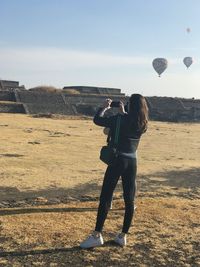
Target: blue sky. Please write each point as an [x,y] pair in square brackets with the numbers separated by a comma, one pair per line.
[107,43]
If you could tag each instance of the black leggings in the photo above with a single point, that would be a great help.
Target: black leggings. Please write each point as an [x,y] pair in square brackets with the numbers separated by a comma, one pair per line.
[127,169]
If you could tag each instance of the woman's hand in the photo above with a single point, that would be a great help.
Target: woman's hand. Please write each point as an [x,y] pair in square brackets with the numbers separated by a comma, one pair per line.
[107,103]
[121,108]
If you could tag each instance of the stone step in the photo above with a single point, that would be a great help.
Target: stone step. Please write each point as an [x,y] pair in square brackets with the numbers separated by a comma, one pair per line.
[11,107]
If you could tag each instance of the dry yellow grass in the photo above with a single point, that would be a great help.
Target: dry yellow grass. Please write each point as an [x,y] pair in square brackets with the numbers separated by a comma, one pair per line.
[9,102]
[71,91]
[55,158]
[45,89]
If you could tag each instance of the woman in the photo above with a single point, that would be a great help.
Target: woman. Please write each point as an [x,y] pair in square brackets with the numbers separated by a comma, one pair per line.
[132,125]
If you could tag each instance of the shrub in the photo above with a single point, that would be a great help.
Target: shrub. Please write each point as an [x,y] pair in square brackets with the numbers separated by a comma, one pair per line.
[42,115]
[71,91]
[45,89]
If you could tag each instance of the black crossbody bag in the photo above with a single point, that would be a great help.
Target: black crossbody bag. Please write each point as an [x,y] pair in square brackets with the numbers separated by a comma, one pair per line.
[109,152]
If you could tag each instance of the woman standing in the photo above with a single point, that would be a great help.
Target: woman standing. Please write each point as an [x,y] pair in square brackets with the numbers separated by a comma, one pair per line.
[132,125]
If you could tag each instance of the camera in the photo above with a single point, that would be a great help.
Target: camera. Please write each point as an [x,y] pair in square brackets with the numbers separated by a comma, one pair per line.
[126,107]
[115,104]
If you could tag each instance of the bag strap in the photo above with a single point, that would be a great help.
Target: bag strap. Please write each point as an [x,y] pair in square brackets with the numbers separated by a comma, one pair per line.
[116,139]
[108,138]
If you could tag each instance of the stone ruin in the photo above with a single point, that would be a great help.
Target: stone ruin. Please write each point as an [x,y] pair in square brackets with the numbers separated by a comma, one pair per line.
[174,109]
[85,100]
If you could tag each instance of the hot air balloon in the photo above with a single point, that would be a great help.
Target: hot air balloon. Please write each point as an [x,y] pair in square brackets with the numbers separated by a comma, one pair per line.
[160,65]
[188,30]
[187,61]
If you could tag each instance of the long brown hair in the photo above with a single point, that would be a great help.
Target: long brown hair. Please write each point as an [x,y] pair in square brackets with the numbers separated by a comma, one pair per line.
[138,112]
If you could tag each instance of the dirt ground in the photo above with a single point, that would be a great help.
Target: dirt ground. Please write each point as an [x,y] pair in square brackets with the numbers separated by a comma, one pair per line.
[51,178]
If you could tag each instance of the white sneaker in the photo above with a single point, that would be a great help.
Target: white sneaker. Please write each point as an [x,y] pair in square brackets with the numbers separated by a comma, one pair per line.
[120,239]
[94,240]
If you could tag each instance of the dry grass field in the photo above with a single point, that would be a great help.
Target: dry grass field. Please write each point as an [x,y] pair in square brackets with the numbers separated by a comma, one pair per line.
[51,178]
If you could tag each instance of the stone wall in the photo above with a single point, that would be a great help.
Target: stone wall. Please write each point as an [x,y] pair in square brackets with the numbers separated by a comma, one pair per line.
[89,99]
[11,108]
[87,104]
[34,102]
[173,109]
[191,102]
[40,102]
[95,90]
[61,103]
[46,109]
[165,103]
[8,84]
[40,98]
[7,96]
